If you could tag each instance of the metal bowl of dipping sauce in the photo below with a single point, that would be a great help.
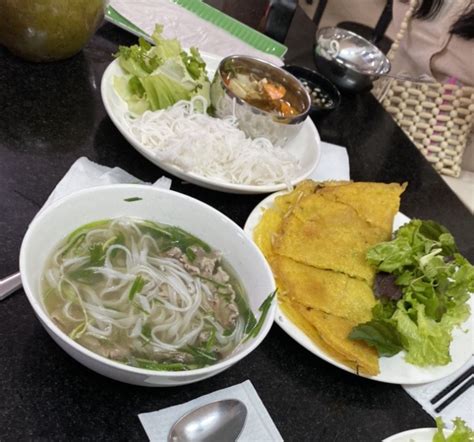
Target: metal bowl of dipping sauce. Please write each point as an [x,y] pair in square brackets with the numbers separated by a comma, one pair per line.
[266,100]
[348,60]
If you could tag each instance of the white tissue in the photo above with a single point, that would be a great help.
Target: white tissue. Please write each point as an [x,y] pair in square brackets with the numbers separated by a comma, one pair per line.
[462,407]
[85,173]
[333,164]
[259,426]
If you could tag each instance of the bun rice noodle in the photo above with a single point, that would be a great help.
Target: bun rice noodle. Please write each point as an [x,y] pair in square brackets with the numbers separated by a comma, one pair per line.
[186,137]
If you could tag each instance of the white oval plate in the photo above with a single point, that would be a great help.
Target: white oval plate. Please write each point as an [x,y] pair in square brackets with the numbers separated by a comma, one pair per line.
[418,435]
[305,147]
[394,370]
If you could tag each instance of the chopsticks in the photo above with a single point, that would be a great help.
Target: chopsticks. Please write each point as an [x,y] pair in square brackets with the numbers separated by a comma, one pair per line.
[448,389]
[9,285]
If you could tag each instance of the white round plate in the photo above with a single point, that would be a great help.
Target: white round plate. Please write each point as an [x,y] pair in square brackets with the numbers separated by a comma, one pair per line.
[305,147]
[418,435]
[394,370]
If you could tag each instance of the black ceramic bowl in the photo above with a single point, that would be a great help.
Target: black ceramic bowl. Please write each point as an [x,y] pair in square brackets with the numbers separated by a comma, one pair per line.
[324,95]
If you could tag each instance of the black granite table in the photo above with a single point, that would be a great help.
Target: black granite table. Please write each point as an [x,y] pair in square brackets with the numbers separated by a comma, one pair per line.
[51,114]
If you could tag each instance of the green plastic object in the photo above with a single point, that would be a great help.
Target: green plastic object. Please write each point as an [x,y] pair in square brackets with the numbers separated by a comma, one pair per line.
[113,16]
[232,26]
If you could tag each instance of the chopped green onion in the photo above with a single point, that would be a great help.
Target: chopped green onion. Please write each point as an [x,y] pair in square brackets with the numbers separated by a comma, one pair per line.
[78,331]
[87,227]
[171,366]
[75,243]
[139,308]
[137,286]
[146,331]
[190,254]
[201,355]
[266,304]
[211,341]
[217,284]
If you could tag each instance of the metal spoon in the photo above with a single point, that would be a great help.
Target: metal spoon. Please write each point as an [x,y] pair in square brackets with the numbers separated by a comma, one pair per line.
[9,285]
[220,421]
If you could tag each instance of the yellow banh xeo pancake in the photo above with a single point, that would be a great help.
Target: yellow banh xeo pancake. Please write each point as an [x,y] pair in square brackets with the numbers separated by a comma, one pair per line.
[285,202]
[283,205]
[334,331]
[291,312]
[329,334]
[272,218]
[331,292]
[328,235]
[270,223]
[266,229]
[316,239]
[377,203]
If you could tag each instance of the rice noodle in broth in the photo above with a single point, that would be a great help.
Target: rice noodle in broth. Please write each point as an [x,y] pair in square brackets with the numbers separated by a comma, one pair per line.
[145,294]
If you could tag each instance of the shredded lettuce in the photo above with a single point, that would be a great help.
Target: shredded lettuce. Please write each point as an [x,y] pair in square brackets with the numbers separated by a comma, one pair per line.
[156,77]
[461,432]
[435,281]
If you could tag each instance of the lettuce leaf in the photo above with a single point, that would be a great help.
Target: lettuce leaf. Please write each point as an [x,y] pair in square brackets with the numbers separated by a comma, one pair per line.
[435,281]
[461,432]
[138,59]
[127,87]
[380,334]
[159,76]
[194,63]
[426,342]
[163,92]
[165,48]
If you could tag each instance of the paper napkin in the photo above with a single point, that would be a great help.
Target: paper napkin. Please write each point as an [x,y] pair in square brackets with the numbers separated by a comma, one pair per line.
[258,426]
[461,407]
[85,173]
[188,28]
[333,164]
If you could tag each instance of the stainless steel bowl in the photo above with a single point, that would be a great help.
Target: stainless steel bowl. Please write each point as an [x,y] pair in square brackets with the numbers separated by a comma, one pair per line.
[349,60]
[253,121]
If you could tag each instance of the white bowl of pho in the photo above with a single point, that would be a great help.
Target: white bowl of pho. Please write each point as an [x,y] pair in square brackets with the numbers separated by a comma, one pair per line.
[146,286]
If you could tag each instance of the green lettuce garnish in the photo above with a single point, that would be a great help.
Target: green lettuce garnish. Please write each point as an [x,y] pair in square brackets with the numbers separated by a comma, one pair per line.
[380,334]
[161,75]
[461,433]
[435,281]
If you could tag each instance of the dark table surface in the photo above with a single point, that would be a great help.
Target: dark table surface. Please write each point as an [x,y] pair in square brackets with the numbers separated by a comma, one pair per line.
[51,115]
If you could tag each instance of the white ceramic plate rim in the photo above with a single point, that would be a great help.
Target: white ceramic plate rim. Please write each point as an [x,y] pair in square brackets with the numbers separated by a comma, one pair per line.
[409,374]
[115,107]
[409,435]
[51,326]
